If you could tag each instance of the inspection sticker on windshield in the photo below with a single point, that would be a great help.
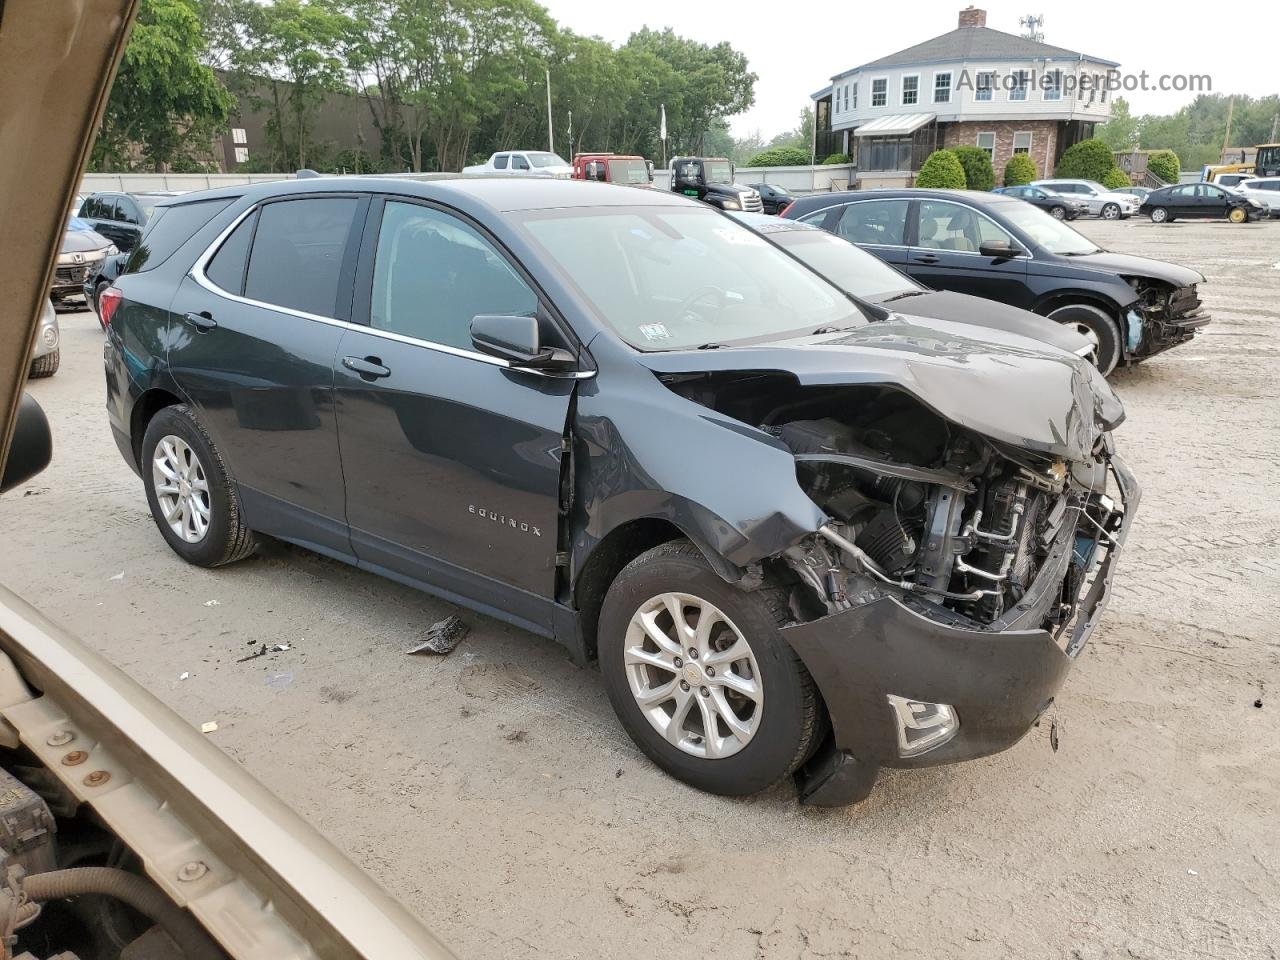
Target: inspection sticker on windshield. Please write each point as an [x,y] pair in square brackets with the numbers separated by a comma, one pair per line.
[654,331]
[743,237]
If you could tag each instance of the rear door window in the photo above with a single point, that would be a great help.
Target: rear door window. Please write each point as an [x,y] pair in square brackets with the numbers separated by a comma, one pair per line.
[500,162]
[297,253]
[169,228]
[226,269]
[881,222]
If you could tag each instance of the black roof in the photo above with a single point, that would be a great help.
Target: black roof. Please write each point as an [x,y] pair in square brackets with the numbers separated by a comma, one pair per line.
[978,43]
[817,201]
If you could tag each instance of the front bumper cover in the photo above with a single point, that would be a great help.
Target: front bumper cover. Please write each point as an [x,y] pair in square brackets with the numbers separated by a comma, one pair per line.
[999,682]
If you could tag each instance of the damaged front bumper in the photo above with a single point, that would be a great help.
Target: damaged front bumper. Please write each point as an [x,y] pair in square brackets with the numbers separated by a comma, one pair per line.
[996,681]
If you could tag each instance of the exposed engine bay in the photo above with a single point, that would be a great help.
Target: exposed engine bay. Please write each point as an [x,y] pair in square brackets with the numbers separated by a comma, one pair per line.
[955,524]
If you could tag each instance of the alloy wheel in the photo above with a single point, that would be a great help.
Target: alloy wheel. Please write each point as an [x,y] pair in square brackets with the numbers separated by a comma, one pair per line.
[182,489]
[693,675]
[1110,212]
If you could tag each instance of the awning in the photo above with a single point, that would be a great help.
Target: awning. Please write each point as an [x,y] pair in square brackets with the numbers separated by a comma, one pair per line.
[895,126]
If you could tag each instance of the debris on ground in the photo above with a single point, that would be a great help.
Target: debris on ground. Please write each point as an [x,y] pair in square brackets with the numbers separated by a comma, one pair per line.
[213,603]
[1258,703]
[280,648]
[518,736]
[209,727]
[279,681]
[442,636]
[118,576]
[1053,735]
[184,675]
[255,655]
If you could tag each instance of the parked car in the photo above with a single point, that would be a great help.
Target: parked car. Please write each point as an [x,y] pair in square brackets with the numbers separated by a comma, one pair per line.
[577,373]
[1263,190]
[47,353]
[523,163]
[869,278]
[773,198]
[82,254]
[120,217]
[1201,201]
[1057,205]
[1003,249]
[1104,203]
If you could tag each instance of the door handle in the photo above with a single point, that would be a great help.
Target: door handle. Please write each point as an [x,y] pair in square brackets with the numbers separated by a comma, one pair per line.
[927,258]
[203,322]
[369,368]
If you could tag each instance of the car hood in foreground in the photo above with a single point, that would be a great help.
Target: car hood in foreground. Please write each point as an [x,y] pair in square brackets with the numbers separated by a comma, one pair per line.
[1126,265]
[1004,386]
[83,241]
[963,308]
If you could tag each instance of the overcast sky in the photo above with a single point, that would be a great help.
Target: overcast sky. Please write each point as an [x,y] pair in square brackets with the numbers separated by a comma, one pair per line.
[796,49]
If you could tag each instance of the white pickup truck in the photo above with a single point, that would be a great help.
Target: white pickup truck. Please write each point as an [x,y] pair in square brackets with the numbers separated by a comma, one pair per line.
[523,163]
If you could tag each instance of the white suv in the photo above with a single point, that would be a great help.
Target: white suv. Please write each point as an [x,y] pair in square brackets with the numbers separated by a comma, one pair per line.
[1102,202]
[1266,190]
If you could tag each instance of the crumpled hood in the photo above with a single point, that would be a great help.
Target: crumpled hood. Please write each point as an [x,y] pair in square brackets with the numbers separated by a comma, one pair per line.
[1125,265]
[967,309]
[1004,386]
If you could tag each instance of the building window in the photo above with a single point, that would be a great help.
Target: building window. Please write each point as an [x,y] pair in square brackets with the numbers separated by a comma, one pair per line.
[987,144]
[942,88]
[1103,96]
[242,154]
[910,91]
[1018,91]
[1022,142]
[983,88]
[238,136]
[1053,85]
[855,94]
[884,153]
[879,92]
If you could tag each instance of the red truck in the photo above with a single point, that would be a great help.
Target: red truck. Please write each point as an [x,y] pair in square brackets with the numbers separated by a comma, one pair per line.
[613,168]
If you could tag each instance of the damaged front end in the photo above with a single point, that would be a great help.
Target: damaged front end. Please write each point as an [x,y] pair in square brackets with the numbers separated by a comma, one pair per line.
[957,574]
[1164,316]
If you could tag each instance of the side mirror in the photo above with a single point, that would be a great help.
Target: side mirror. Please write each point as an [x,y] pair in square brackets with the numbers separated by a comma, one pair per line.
[32,446]
[517,340]
[999,249]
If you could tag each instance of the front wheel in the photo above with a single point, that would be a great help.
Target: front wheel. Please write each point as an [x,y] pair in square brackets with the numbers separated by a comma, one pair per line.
[191,495]
[1111,211]
[1096,326]
[1057,213]
[1238,215]
[1159,215]
[46,366]
[700,676]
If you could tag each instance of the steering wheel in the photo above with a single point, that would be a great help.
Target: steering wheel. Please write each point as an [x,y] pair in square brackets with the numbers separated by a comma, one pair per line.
[685,309]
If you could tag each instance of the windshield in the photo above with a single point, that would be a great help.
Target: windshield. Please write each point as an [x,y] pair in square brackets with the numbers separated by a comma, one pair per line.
[628,171]
[718,171]
[1097,187]
[852,270]
[1053,235]
[671,279]
[546,160]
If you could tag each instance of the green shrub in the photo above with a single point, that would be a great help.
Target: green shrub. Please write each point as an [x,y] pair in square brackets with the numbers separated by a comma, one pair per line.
[978,172]
[1116,179]
[837,158]
[1087,160]
[781,157]
[1165,165]
[941,171]
[1019,170]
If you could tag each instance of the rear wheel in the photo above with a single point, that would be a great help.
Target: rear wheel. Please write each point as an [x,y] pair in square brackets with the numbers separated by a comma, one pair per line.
[700,676]
[1098,327]
[45,366]
[191,495]
[1160,215]
[1111,211]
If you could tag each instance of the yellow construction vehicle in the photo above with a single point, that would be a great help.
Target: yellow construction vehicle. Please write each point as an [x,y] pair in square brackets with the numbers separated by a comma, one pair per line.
[1266,163]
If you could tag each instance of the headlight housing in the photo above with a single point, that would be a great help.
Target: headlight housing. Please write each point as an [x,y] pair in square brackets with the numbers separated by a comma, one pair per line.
[732,205]
[112,250]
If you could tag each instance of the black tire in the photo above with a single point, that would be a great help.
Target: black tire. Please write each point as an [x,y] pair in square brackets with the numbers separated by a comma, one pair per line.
[1160,215]
[791,718]
[1105,329]
[45,366]
[1111,211]
[1058,212]
[226,538]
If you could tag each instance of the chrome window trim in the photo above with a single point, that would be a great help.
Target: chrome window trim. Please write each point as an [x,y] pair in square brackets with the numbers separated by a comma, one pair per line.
[197,273]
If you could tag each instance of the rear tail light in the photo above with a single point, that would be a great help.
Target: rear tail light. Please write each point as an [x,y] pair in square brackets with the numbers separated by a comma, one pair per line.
[107,303]
[783,211]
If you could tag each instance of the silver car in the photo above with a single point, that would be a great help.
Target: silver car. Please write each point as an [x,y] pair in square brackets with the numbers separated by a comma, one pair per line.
[1104,203]
[46,356]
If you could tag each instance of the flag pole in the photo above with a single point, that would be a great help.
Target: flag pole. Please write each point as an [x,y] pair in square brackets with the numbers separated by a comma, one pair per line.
[551,137]
[662,135]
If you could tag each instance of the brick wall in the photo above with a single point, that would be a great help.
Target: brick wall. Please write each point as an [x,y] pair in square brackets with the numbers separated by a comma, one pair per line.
[1044,136]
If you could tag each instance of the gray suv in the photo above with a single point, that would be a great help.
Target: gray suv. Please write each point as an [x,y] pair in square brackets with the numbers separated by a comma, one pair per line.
[1104,203]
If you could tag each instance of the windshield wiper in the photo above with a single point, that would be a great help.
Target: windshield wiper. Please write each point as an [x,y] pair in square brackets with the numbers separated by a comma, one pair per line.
[709,346]
[903,295]
[1082,253]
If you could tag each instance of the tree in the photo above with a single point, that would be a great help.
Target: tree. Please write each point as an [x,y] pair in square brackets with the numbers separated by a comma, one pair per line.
[941,170]
[1087,160]
[1116,179]
[164,102]
[1120,133]
[978,172]
[1019,170]
[1164,164]
[836,158]
[780,157]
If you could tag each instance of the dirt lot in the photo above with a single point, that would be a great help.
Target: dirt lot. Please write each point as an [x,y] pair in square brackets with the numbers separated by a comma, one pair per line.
[493,792]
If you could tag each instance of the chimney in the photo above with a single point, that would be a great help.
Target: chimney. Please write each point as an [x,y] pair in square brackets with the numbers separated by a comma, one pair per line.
[971,16]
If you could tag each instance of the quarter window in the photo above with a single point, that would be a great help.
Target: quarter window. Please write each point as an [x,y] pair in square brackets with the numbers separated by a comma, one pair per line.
[910,91]
[882,222]
[297,253]
[879,92]
[226,269]
[942,88]
[434,274]
[950,226]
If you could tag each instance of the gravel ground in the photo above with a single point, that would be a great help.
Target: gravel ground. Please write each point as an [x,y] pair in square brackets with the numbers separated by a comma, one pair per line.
[493,792]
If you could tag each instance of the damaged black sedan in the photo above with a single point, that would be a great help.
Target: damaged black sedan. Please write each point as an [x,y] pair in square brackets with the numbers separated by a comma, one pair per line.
[796,542]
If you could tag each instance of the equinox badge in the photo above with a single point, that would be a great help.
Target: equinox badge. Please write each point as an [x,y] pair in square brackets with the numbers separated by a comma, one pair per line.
[506,521]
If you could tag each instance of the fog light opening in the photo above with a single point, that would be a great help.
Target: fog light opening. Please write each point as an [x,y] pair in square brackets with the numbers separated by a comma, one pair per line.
[922,726]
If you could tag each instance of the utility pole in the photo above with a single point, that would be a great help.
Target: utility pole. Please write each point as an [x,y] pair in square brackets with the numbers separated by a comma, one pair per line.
[1275,125]
[1226,137]
[551,137]
[571,135]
